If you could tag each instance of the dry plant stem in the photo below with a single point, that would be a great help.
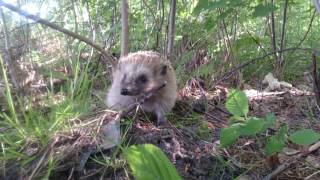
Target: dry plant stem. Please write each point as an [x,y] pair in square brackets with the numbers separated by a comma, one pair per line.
[108,57]
[296,158]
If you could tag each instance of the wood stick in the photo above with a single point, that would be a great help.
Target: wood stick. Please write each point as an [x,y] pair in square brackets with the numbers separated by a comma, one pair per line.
[286,165]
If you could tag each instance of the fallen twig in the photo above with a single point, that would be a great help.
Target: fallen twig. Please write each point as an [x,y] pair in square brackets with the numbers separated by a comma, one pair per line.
[284,166]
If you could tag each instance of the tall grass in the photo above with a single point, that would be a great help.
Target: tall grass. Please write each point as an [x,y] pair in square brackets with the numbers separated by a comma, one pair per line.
[21,127]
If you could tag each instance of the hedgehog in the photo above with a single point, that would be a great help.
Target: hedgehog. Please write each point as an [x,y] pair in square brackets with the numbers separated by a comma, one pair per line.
[139,73]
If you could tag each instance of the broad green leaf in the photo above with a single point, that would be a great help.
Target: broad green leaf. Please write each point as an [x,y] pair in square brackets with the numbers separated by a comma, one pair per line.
[149,162]
[304,137]
[252,126]
[229,135]
[208,5]
[276,143]
[237,103]
[263,10]
[269,121]
[209,24]
[281,135]
[273,146]
[202,4]
[236,119]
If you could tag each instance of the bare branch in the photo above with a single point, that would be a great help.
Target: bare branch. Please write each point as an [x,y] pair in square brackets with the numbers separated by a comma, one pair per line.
[232,71]
[309,28]
[295,159]
[108,57]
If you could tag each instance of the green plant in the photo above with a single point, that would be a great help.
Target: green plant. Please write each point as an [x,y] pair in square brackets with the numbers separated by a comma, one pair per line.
[242,125]
[149,162]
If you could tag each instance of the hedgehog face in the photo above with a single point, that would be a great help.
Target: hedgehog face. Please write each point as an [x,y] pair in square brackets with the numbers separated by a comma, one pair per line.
[134,79]
[140,78]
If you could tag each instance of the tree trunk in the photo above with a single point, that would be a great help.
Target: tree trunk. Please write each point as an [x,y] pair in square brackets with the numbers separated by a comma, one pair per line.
[274,44]
[284,21]
[125,28]
[8,58]
[171,29]
[273,34]
[316,80]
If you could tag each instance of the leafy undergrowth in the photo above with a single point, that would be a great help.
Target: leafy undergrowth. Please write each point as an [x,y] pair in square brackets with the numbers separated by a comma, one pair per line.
[191,141]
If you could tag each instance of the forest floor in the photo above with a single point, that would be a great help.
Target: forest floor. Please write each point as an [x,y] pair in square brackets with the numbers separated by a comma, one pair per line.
[191,140]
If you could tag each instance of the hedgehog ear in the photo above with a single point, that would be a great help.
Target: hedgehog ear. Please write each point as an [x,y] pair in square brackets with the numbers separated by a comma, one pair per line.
[163,70]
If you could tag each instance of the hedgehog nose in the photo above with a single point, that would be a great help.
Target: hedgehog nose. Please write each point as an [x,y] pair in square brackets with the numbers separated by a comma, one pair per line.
[124,91]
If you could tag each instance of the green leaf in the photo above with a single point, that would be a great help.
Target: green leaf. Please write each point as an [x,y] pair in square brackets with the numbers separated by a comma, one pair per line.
[209,24]
[263,10]
[276,143]
[202,4]
[269,121]
[206,5]
[304,137]
[236,119]
[273,146]
[229,135]
[237,103]
[252,126]
[149,162]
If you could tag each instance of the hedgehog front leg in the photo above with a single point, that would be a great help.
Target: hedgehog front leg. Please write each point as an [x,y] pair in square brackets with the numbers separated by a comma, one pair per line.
[161,118]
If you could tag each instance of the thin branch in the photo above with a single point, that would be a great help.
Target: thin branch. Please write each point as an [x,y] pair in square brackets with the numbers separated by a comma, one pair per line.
[309,28]
[232,71]
[150,9]
[295,159]
[108,57]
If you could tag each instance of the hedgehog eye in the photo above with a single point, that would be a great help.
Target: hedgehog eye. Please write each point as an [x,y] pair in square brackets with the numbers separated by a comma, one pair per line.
[142,79]
[163,70]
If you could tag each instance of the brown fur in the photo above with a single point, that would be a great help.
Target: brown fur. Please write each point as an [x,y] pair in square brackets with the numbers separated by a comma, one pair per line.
[157,71]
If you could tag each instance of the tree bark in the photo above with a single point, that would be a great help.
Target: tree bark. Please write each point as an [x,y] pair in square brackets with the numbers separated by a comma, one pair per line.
[9,58]
[171,29]
[125,28]
[273,34]
[284,21]
[106,55]
[316,76]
